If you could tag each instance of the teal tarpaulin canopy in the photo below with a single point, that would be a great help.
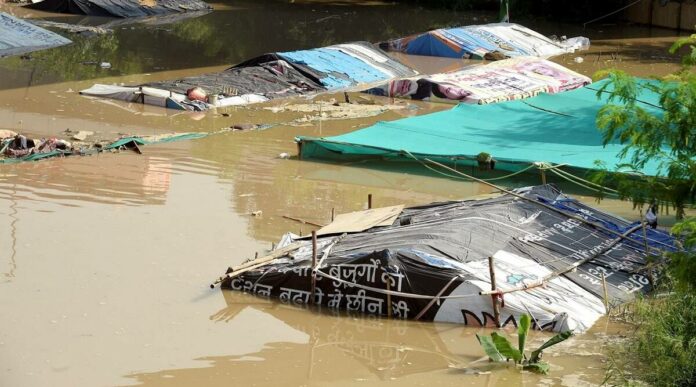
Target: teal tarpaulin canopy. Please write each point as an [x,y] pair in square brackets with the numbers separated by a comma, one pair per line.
[557,129]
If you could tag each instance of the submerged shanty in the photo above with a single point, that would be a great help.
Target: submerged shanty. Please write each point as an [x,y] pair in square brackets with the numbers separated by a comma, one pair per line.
[20,37]
[120,8]
[488,41]
[270,76]
[504,80]
[18,148]
[550,255]
[549,130]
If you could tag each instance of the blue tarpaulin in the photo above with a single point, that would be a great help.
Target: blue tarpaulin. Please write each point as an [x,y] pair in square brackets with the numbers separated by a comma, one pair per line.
[489,41]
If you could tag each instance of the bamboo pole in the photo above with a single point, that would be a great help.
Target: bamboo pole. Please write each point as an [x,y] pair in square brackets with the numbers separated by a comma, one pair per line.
[645,234]
[256,263]
[302,221]
[494,296]
[606,293]
[647,250]
[314,267]
[389,304]
[543,176]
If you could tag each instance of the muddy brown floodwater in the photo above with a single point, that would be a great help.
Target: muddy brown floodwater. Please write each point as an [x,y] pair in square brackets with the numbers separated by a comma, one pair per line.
[105,260]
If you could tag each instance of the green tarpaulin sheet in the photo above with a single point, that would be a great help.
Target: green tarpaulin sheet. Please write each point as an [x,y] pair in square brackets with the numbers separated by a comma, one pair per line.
[557,129]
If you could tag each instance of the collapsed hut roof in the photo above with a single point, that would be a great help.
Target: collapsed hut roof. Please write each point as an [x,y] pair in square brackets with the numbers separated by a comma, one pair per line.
[504,80]
[120,8]
[433,262]
[559,129]
[487,41]
[20,37]
[271,76]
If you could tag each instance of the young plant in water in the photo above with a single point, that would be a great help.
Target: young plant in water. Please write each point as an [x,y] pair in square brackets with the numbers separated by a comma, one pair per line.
[499,349]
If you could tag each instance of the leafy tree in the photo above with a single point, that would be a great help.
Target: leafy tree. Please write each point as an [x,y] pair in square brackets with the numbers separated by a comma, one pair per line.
[667,138]
[664,344]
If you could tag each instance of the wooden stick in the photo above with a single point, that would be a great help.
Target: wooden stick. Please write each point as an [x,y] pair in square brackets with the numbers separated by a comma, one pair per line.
[333,213]
[557,273]
[543,176]
[645,234]
[314,266]
[273,255]
[494,297]
[647,249]
[239,271]
[389,304]
[302,221]
[369,201]
[606,293]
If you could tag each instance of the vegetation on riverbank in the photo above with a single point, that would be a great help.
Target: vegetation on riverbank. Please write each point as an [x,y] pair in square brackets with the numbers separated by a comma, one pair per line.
[663,345]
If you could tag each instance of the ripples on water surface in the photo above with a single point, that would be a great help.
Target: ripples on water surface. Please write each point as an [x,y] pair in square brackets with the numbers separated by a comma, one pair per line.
[105,260]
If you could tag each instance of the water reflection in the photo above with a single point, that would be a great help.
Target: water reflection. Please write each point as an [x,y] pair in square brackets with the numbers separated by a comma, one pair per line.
[365,349]
[226,36]
[340,349]
[123,179]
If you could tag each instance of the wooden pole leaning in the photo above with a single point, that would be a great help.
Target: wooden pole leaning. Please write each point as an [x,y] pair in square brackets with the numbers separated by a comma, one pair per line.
[314,267]
[494,296]
[256,263]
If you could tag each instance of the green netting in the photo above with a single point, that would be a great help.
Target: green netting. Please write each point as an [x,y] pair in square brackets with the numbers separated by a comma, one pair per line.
[558,129]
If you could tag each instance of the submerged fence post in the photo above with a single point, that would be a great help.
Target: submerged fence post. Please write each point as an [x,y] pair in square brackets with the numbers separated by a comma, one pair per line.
[494,297]
[314,264]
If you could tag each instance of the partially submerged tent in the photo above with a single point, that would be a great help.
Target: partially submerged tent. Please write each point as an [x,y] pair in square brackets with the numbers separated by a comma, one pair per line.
[503,80]
[431,263]
[20,37]
[15,150]
[549,128]
[270,76]
[120,8]
[488,41]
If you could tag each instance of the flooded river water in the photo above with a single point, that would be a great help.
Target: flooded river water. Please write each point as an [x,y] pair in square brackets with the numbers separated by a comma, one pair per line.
[105,261]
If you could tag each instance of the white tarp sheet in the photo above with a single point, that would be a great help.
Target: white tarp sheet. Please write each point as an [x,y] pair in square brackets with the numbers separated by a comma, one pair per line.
[560,304]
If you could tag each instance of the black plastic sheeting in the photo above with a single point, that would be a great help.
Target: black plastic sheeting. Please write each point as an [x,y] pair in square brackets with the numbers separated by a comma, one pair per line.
[272,76]
[443,249]
[120,8]
[272,79]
